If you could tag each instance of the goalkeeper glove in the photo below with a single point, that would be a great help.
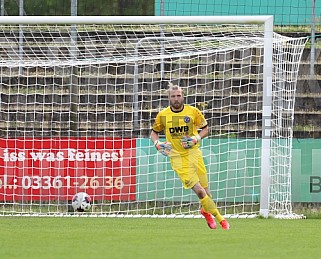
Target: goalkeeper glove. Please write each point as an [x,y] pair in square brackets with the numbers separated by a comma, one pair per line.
[188,142]
[163,147]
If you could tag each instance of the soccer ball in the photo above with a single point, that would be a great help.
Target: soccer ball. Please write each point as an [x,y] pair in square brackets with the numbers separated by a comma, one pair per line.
[81,202]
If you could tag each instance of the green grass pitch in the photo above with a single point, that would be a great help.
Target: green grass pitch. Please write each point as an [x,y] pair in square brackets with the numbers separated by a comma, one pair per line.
[79,237]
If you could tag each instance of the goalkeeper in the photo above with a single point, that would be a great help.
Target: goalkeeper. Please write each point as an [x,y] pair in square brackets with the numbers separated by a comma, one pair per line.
[180,123]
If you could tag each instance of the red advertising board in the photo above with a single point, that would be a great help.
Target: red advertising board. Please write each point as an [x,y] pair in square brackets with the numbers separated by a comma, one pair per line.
[57,168]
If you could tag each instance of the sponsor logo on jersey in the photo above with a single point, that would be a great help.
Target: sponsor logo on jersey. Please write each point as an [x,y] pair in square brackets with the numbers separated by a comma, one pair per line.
[180,129]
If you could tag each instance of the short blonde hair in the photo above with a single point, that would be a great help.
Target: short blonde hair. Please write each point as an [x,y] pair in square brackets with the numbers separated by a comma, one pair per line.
[172,87]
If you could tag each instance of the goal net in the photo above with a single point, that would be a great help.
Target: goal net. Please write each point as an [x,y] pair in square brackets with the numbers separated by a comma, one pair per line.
[79,96]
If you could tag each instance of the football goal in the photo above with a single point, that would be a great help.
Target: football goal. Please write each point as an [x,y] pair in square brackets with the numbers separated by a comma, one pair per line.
[79,96]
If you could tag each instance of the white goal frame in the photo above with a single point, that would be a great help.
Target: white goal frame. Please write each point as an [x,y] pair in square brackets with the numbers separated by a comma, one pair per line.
[267,78]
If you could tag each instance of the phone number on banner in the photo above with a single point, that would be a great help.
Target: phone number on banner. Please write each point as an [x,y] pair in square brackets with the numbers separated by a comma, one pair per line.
[37,182]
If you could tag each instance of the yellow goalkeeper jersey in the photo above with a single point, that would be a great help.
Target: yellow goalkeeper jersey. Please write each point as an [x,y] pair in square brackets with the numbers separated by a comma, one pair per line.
[178,124]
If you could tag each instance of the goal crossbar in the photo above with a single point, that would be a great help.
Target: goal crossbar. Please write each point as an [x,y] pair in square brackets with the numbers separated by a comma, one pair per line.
[135,19]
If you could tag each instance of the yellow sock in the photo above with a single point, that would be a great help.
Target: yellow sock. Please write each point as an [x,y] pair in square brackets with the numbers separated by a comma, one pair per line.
[209,206]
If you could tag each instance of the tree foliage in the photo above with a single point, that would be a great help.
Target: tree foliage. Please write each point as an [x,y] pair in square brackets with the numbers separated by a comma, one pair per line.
[84,7]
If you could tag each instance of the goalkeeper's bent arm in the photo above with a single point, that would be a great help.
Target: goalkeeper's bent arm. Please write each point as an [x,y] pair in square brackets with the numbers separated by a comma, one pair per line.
[154,136]
[204,132]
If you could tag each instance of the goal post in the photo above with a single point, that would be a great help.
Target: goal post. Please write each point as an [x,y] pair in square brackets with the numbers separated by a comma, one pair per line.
[266,116]
[79,96]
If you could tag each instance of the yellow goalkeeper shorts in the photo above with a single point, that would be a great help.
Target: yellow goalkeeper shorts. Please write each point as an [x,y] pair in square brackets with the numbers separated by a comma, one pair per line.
[190,169]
